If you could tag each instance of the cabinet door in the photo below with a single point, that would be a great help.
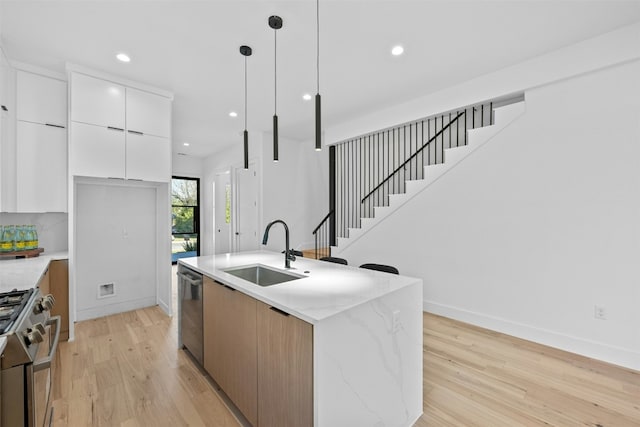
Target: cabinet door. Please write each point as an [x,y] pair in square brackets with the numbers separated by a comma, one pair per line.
[59,286]
[230,345]
[44,284]
[148,157]
[96,151]
[148,113]
[41,99]
[285,369]
[96,101]
[41,168]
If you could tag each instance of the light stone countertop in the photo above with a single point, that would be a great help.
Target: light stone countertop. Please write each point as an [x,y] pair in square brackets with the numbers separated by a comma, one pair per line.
[25,273]
[3,343]
[327,289]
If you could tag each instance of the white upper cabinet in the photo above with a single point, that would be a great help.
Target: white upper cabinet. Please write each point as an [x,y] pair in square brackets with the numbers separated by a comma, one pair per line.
[42,168]
[41,99]
[41,143]
[148,113]
[148,158]
[97,102]
[96,151]
[119,131]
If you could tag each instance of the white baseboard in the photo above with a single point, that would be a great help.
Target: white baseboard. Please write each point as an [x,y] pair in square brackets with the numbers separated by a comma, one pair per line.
[108,309]
[595,350]
[165,307]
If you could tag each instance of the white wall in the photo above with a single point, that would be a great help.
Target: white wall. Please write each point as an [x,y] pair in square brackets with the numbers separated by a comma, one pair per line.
[185,165]
[118,229]
[294,189]
[615,47]
[539,225]
[52,228]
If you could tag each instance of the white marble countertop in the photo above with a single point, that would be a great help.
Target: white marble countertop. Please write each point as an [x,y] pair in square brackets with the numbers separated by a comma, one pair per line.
[327,289]
[25,273]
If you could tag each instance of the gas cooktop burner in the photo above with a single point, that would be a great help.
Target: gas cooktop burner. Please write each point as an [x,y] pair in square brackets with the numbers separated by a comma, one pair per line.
[11,305]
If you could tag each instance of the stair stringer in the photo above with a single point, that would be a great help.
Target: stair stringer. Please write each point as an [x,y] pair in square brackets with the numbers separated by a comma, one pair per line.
[477,138]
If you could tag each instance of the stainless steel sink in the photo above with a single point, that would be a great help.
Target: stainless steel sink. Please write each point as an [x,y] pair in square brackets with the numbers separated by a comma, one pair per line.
[262,275]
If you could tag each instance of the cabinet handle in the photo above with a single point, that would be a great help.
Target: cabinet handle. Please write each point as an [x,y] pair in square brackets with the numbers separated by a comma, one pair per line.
[54,126]
[115,128]
[4,108]
[277,310]
[229,287]
[135,132]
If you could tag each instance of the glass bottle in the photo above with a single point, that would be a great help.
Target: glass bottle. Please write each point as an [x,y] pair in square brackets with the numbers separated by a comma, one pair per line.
[7,242]
[19,238]
[28,237]
[35,237]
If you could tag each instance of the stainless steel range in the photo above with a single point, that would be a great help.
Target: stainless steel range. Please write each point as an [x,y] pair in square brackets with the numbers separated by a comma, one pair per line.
[32,339]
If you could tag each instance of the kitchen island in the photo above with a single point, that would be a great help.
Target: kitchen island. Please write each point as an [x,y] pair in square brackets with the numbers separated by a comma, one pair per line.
[365,339]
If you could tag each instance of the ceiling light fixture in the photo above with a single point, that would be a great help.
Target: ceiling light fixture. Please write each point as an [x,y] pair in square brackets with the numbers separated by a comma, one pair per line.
[186,144]
[233,114]
[245,51]
[306,97]
[318,110]
[397,50]
[275,22]
[123,57]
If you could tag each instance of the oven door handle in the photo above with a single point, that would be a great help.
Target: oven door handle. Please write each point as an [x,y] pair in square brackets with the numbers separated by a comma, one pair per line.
[45,363]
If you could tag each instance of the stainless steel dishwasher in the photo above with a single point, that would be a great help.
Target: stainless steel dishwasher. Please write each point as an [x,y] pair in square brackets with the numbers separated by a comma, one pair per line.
[190,294]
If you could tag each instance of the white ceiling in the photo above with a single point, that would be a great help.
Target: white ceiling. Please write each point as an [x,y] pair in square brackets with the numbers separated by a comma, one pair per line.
[191,48]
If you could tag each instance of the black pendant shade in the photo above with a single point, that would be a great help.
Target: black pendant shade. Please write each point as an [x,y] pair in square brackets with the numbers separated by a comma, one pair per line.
[318,109]
[275,22]
[245,51]
[318,124]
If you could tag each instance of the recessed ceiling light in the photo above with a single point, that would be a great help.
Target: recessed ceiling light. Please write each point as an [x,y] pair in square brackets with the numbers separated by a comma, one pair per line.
[397,50]
[233,114]
[306,97]
[186,144]
[123,57]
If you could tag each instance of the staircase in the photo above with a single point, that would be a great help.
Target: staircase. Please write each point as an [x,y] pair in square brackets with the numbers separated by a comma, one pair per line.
[475,139]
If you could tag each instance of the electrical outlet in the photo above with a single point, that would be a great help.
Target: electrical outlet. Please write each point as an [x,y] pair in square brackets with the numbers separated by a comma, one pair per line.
[599,312]
[395,321]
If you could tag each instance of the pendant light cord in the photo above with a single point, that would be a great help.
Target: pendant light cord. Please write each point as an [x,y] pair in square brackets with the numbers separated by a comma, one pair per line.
[275,72]
[245,93]
[318,45]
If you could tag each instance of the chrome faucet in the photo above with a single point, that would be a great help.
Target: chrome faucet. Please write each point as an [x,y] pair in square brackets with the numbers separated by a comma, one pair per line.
[288,255]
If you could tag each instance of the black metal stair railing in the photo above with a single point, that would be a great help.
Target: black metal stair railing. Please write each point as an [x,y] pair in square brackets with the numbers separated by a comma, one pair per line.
[369,168]
[323,237]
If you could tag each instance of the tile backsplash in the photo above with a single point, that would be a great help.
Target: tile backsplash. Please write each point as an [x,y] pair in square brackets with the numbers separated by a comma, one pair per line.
[52,228]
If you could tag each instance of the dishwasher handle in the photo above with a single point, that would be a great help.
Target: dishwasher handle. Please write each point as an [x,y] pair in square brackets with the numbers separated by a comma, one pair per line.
[193,281]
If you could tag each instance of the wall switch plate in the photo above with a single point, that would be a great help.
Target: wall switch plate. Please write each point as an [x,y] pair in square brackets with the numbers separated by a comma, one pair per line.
[599,312]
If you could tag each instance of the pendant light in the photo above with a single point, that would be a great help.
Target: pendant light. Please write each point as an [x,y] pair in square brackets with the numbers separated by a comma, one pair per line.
[275,22]
[245,51]
[318,113]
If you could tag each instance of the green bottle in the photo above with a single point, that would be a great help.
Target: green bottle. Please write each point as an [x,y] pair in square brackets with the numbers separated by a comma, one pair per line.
[7,241]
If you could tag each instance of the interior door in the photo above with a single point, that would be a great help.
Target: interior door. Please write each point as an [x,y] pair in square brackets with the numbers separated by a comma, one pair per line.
[222,213]
[246,212]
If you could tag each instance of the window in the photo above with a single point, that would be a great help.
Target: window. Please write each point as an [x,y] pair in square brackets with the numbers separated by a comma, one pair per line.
[185,217]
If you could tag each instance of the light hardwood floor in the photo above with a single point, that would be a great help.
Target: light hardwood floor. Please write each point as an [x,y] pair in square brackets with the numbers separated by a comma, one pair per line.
[125,370]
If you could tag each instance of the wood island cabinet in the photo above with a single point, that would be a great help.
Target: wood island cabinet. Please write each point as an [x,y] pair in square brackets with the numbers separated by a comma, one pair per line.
[261,357]
[230,354]
[285,369]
